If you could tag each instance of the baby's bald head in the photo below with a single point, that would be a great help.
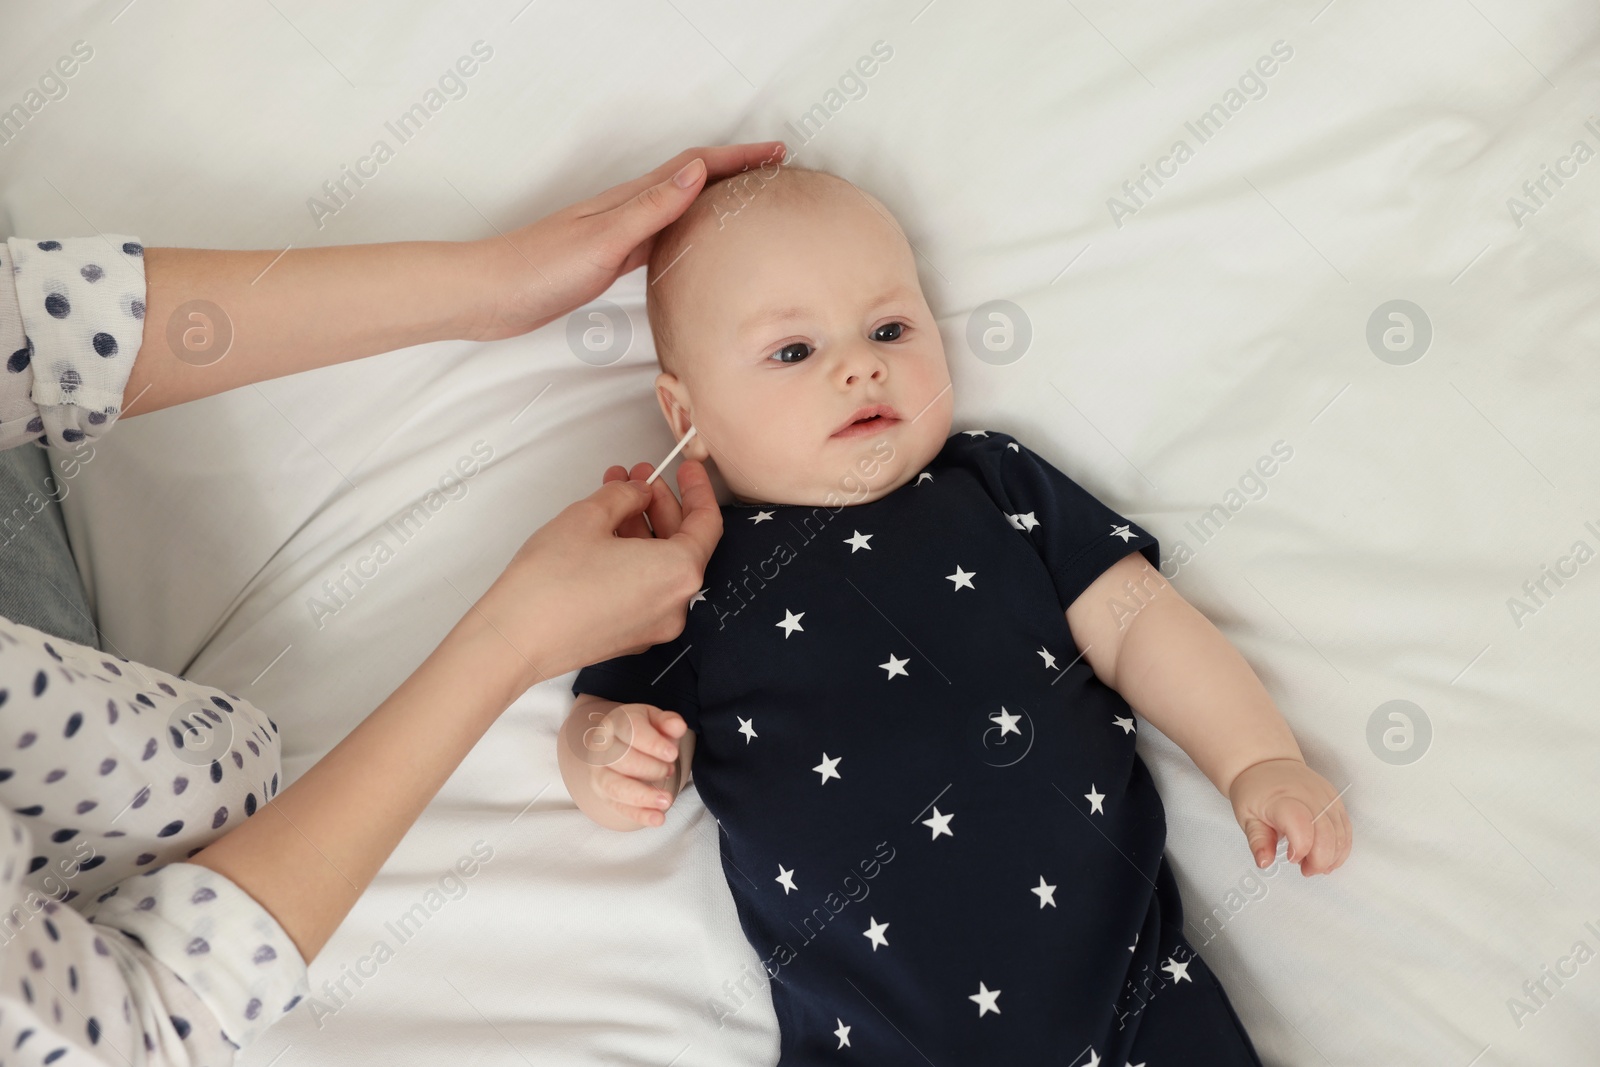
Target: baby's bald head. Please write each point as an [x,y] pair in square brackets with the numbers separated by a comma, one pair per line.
[721,205]
[785,302]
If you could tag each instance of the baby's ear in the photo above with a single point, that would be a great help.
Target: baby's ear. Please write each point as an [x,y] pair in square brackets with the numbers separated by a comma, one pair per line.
[673,397]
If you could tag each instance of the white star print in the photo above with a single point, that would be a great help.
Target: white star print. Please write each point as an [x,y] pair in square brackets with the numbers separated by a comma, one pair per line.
[1013,446]
[1135,943]
[701,595]
[1047,893]
[1179,971]
[748,728]
[985,999]
[1014,520]
[1026,521]
[1094,1059]
[828,768]
[1122,532]
[843,1033]
[859,540]
[761,516]
[1126,724]
[874,933]
[786,879]
[1008,722]
[1094,798]
[924,476]
[976,433]
[791,623]
[940,825]
[1049,659]
[895,666]
[962,578]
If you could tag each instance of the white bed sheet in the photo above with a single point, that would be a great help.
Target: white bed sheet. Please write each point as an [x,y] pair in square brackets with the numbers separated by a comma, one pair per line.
[1170,353]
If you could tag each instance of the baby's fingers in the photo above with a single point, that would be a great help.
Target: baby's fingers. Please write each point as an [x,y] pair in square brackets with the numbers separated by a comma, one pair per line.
[642,803]
[1263,841]
[1323,850]
[647,729]
[641,766]
[1338,832]
[1293,819]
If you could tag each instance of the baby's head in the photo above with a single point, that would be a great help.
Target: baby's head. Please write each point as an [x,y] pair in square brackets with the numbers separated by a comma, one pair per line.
[784,302]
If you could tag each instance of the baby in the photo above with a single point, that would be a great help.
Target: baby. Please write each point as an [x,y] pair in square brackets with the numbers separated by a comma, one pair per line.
[904,692]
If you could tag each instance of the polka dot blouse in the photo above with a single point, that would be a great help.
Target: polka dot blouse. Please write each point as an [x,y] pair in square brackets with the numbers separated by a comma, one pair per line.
[113,949]
[71,319]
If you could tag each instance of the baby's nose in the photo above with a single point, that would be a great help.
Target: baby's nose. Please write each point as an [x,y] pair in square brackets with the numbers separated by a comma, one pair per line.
[863,362]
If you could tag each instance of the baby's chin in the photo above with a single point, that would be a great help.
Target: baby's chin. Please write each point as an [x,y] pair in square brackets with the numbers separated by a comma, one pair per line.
[855,488]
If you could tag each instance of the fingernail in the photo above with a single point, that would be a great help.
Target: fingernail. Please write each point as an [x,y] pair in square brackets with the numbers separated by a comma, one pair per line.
[687,174]
[662,800]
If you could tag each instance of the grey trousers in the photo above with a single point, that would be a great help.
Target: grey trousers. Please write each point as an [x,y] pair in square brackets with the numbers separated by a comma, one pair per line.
[39,583]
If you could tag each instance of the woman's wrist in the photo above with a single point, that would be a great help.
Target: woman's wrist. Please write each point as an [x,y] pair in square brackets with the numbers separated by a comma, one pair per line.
[418,292]
[484,639]
[510,292]
[483,269]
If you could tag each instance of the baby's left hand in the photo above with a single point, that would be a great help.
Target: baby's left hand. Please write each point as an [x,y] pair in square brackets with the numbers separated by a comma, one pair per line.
[1285,796]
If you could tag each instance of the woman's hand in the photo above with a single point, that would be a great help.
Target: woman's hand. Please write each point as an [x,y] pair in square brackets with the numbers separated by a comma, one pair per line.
[541,271]
[576,594]
[272,312]
[663,512]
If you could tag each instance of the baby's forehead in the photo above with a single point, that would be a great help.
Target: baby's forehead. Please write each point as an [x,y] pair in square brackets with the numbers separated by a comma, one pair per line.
[793,198]
[776,220]
[734,230]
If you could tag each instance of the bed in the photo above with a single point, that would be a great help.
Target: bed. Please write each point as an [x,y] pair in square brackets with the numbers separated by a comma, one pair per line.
[1308,290]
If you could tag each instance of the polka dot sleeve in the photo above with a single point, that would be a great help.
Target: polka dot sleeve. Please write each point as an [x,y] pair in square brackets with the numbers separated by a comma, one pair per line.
[179,967]
[71,322]
[213,935]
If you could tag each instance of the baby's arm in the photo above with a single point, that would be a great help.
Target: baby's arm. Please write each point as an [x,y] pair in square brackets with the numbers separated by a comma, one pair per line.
[623,763]
[1178,671]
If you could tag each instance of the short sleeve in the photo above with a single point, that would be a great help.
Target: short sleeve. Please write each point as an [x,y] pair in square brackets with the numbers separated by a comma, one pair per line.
[71,323]
[1076,535]
[662,675]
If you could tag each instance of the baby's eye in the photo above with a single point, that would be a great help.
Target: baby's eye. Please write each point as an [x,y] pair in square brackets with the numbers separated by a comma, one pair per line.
[792,356]
[897,327]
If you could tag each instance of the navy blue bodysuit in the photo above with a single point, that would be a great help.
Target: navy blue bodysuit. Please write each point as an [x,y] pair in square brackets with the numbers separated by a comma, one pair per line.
[935,829]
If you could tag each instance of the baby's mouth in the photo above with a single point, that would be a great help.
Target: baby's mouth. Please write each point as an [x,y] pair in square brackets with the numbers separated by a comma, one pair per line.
[869,420]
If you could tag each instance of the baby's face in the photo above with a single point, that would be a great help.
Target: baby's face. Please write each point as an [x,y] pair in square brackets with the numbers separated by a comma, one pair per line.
[794,319]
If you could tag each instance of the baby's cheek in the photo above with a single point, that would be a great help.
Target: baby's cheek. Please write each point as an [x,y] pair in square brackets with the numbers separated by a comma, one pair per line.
[760,455]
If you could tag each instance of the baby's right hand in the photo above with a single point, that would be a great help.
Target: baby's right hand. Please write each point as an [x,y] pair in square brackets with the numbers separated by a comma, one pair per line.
[630,757]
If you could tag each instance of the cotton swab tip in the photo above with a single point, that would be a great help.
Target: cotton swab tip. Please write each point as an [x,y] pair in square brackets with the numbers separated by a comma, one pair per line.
[675,450]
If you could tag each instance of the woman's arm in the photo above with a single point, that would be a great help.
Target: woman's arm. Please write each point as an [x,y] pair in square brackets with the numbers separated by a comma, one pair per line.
[310,307]
[270,313]
[310,852]
[574,594]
